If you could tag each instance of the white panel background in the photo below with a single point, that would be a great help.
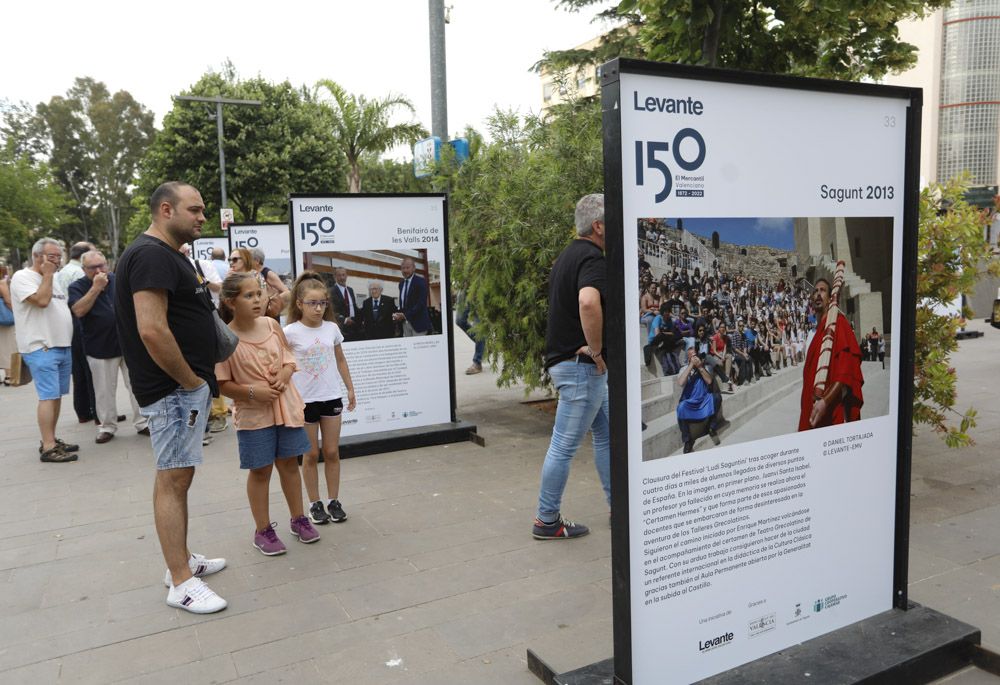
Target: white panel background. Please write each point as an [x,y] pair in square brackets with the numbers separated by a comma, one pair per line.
[271,238]
[768,152]
[202,247]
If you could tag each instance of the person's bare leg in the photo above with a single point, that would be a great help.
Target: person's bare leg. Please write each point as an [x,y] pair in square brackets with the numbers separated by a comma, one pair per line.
[310,474]
[331,454]
[48,415]
[291,484]
[170,512]
[258,484]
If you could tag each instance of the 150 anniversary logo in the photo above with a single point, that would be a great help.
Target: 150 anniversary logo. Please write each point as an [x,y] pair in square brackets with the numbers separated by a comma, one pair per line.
[320,230]
[685,151]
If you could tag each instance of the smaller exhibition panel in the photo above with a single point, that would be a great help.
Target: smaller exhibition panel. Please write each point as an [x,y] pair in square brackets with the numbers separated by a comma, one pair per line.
[384,259]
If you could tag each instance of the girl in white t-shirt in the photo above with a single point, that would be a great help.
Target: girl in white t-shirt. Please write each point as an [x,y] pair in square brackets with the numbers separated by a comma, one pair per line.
[316,341]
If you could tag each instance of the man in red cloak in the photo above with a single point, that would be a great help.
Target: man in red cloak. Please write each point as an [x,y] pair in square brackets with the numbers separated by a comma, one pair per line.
[841,399]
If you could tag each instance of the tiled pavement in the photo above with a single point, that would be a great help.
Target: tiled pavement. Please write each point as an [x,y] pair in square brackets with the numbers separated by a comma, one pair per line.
[434,578]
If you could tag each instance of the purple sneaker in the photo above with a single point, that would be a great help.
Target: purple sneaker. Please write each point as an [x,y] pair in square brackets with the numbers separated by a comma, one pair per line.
[303,530]
[268,543]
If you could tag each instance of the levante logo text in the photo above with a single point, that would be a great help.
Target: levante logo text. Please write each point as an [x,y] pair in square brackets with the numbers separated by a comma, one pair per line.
[719,641]
[668,105]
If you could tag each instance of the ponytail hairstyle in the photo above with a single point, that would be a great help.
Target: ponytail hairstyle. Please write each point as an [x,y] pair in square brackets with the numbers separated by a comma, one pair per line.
[231,287]
[307,280]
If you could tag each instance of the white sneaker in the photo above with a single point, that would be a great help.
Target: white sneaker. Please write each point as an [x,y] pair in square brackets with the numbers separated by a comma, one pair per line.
[194,596]
[200,567]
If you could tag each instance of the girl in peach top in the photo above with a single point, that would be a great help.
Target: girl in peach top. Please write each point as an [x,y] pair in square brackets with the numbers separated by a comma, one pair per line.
[268,410]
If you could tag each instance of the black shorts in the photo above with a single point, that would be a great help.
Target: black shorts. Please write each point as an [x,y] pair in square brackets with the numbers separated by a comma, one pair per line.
[327,408]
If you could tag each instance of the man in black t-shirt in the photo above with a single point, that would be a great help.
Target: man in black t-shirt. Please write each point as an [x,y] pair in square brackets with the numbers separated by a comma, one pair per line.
[675,303]
[164,314]
[92,301]
[574,358]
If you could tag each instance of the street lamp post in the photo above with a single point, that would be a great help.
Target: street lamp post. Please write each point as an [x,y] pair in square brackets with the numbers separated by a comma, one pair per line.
[219,101]
[439,80]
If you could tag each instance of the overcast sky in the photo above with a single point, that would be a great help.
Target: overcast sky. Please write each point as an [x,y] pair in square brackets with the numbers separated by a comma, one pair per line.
[155,50]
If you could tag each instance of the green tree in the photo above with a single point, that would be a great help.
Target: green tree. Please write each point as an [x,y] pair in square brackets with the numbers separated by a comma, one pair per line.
[952,254]
[841,39]
[281,147]
[512,209]
[96,140]
[32,204]
[847,39]
[392,176]
[361,127]
[21,131]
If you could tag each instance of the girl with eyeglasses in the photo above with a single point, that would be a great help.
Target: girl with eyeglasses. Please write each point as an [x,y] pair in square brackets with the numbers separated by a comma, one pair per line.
[317,342]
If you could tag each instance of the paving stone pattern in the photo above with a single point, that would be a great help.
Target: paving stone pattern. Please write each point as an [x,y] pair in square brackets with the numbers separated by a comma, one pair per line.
[433,579]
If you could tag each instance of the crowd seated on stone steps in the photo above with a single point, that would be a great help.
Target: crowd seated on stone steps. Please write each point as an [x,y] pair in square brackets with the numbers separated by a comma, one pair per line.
[670,252]
[748,327]
[663,243]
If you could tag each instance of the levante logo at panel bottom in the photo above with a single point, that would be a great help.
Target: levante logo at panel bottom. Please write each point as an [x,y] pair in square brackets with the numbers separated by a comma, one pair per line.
[720,641]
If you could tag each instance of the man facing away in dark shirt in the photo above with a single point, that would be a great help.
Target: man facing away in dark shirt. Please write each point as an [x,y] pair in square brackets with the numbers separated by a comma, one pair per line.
[574,357]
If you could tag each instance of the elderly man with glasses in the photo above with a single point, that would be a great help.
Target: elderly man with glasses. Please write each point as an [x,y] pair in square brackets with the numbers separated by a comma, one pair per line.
[44,331]
[92,301]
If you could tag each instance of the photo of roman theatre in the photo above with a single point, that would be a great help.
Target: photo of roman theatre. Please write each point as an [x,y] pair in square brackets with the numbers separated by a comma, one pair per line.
[761,273]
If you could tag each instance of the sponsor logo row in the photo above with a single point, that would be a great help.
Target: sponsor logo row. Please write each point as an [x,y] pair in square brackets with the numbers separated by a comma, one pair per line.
[768,622]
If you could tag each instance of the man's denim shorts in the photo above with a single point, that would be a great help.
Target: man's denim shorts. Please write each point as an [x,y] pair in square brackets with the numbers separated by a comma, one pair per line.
[260,447]
[50,369]
[177,425]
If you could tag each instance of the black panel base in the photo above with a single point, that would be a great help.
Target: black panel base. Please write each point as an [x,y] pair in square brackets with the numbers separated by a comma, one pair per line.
[913,647]
[965,335]
[407,438]
[601,673]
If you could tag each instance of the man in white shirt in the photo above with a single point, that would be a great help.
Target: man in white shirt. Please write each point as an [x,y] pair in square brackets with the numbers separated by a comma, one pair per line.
[219,262]
[206,272]
[74,268]
[44,331]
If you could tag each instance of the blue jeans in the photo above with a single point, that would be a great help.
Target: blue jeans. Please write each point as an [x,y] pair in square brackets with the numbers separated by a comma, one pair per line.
[583,406]
[176,426]
[463,322]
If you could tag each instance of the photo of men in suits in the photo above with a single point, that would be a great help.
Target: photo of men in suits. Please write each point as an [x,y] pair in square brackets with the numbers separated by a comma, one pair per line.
[412,301]
[409,292]
[344,304]
[377,314]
